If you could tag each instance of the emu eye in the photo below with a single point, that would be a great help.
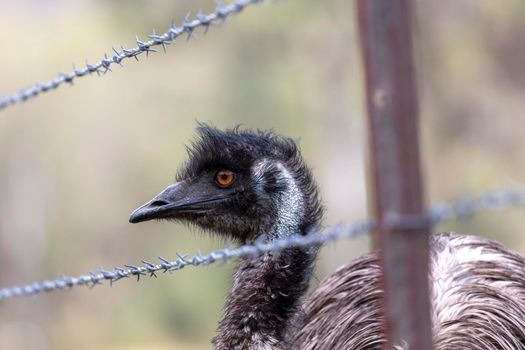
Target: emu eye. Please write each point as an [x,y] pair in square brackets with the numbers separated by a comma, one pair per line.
[224,178]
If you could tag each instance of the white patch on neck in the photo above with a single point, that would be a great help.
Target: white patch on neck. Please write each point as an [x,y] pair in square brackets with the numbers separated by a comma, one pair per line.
[289,204]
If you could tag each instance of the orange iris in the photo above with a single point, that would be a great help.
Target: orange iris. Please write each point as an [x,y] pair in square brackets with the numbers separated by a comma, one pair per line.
[224,178]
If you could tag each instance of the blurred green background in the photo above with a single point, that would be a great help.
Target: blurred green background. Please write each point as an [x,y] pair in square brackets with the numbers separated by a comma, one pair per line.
[76,161]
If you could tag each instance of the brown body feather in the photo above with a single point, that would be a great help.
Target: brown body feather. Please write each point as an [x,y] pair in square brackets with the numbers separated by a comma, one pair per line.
[478,301]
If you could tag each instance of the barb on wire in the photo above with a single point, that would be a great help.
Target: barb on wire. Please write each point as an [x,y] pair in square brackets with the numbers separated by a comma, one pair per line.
[460,209]
[188,27]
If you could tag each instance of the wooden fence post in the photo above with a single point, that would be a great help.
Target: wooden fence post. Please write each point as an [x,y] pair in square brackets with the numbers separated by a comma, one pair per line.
[402,231]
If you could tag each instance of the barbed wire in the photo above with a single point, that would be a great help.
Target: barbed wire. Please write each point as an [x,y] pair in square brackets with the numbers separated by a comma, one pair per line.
[188,26]
[463,208]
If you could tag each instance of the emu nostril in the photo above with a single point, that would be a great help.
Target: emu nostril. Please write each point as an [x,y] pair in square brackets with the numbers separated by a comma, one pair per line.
[158,203]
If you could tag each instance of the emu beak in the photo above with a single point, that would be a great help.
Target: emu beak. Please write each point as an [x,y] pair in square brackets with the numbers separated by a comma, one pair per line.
[160,206]
[176,199]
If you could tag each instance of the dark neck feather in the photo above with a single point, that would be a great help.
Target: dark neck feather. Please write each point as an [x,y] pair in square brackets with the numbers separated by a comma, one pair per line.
[265,295]
[266,291]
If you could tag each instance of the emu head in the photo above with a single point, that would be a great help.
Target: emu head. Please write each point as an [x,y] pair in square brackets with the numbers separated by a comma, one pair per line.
[240,184]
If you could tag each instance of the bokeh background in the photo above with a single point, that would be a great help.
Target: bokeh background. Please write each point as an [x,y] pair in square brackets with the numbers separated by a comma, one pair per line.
[76,161]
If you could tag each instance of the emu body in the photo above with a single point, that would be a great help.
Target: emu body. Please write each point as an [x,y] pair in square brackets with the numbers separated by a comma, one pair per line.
[255,186]
[477,298]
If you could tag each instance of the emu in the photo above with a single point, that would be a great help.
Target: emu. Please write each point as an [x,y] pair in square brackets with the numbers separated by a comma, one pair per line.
[249,186]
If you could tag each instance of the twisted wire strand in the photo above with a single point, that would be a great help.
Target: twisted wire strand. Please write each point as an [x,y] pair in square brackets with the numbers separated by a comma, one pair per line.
[188,26]
[463,208]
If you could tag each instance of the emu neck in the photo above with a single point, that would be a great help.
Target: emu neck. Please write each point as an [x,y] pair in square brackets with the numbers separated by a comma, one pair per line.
[264,297]
[266,291]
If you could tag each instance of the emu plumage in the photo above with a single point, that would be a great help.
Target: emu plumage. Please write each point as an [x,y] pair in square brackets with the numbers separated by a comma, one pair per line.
[249,186]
